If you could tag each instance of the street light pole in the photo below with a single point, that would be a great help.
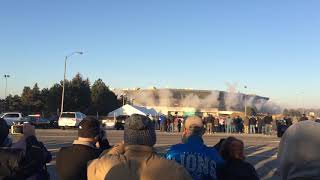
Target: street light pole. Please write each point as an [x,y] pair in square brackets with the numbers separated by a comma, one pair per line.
[64,78]
[6,76]
[64,81]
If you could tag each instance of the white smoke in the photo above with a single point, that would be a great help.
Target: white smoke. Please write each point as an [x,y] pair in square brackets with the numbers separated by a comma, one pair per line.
[211,100]
[191,100]
[165,97]
[272,107]
[145,98]
[232,98]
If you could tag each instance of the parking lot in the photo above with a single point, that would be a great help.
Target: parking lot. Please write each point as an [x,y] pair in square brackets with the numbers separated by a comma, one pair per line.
[261,150]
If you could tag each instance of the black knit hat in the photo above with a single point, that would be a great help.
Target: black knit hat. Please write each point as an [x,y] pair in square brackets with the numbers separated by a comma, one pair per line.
[89,128]
[139,130]
[4,130]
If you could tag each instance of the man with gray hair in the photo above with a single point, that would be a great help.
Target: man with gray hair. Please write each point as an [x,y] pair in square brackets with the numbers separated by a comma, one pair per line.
[201,161]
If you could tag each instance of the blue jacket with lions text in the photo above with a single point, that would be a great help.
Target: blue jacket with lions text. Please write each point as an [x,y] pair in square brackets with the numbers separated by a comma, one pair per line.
[202,162]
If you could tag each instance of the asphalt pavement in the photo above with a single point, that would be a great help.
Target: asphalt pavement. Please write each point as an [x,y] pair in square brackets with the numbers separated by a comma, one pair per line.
[261,151]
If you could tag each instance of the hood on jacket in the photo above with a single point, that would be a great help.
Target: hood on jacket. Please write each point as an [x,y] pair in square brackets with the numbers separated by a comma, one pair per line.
[299,155]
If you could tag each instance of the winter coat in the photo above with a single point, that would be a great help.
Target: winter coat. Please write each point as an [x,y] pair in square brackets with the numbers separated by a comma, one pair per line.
[239,170]
[298,154]
[229,121]
[202,162]
[210,119]
[216,121]
[246,121]
[268,120]
[252,121]
[25,162]
[135,162]
[72,161]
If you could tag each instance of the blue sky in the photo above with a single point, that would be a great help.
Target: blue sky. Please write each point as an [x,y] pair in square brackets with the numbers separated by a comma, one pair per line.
[270,46]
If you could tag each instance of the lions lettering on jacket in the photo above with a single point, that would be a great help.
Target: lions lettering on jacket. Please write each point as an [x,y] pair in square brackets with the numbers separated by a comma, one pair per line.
[202,162]
[198,164]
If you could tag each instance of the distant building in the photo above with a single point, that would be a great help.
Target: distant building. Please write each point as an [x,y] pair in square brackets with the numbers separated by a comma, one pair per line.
[189,101]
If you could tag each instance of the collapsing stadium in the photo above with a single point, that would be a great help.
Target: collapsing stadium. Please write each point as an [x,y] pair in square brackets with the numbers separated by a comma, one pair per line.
[189,101]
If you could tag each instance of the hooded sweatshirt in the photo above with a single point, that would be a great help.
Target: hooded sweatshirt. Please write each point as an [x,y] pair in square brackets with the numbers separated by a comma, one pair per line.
[299,154]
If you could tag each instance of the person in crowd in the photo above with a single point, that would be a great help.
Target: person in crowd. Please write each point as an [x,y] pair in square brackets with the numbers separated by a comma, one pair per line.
[281,127]
[221,124]
[239,124]
[268,124]
[259,124]
[246,124]
[288,121]
[162,123]
[135,158]
[204,121]
[179,125]
[229,125]
[298,154]
[172,124]
[216,124]
[210,120]
[72,161]
[25,159]
[304,118]
[236,168]
[234,125]
[201,161]
[175,123]
[168,124]
[252,125]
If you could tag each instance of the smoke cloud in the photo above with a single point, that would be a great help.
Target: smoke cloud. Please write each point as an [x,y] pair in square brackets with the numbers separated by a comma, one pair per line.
[232,100]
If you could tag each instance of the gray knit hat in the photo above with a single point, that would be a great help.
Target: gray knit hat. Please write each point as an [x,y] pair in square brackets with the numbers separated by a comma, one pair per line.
[139,130]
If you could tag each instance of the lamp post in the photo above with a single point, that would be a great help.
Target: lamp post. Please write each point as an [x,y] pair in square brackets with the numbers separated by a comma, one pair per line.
[6,76]
[64,77]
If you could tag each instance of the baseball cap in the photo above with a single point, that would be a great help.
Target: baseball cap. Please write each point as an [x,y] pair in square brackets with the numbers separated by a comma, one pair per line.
[193,121]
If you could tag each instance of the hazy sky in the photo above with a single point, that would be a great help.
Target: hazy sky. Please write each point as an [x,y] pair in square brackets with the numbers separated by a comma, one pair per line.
[270,46]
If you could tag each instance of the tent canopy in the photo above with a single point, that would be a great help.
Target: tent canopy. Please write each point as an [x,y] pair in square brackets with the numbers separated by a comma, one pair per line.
[128,110]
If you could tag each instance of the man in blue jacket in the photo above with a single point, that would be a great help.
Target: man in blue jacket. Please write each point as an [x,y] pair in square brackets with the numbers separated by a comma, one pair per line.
[201,161]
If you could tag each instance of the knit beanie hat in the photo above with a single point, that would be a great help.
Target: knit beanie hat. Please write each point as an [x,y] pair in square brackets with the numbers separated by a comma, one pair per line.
[89,128]
[4,130]
[139,130]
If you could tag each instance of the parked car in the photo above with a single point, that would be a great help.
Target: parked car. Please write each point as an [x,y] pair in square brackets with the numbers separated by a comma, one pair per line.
[12,117]
[70,119]
[37,121]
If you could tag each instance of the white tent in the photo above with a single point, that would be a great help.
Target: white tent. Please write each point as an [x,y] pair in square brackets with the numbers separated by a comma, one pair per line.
[147,111]
[128,110]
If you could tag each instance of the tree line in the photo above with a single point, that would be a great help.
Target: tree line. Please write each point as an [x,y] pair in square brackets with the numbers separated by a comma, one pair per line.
[79,96]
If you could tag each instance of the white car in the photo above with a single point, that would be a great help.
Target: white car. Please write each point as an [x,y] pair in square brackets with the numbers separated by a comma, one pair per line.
[70,119]
[12,117]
